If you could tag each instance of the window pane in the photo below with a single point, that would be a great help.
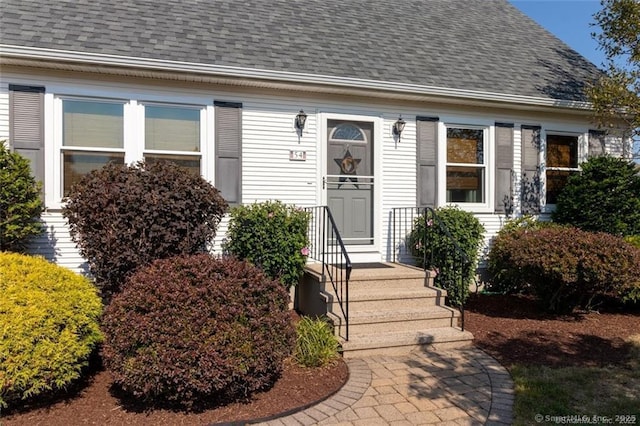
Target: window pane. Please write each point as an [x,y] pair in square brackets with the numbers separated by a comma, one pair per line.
[77,164]
[191,163]
[172,128]
[562,151]
[465,184]
[347,132]
[92,124]
[465,146]
[556,180]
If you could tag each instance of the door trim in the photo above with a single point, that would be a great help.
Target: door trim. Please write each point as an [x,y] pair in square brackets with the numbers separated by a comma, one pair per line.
[363,253]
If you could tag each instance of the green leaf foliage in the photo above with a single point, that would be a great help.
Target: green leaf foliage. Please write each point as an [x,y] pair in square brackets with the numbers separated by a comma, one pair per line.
[432,241]
[196,330]
[567,268]
[48,327]
[20,204]
[124,217]
[616,95]
[272,236]
[316,344]
[604,197]
[634,240]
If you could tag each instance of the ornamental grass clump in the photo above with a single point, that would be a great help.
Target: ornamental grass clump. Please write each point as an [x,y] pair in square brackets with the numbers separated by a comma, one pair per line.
[272,236]
[48,327]
[316,344]
[124,217]
[193,331]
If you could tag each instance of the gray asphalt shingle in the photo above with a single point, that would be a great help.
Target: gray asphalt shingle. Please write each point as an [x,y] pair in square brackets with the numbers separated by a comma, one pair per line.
[484,45]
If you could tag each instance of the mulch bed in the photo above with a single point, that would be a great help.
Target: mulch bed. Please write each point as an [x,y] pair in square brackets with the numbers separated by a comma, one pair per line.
[514,331]
[97,403]
[510,328]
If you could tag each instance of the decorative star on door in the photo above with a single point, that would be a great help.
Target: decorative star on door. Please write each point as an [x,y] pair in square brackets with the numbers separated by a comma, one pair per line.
[349,167]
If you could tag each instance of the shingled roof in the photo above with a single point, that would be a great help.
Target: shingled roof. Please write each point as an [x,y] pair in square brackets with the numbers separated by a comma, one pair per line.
[477,45]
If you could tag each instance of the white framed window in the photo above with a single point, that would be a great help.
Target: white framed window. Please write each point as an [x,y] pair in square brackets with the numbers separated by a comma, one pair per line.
[92,136]
[467,165]
[562,151]
[91,132]
[173,133]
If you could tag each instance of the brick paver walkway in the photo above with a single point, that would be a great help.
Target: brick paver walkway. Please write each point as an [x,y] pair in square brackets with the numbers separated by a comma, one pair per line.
[456,387]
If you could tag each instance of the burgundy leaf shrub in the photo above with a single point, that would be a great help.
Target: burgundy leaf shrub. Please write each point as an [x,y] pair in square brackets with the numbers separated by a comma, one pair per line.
[196,329]
[123,217]
[569,268]
[505,278]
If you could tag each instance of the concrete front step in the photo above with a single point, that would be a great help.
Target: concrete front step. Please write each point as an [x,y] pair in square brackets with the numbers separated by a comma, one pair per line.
[388,299]
[371,322]
[392,310]
[391,304]
[360,294]
[386,284]
[391,271]
[402,342]
[383,316]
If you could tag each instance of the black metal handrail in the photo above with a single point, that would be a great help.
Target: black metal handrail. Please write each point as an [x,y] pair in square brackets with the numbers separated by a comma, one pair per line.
[328,248]
[449,265]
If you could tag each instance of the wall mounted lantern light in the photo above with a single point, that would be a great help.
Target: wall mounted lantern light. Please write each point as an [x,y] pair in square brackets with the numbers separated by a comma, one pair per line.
[398,127]
[301,118]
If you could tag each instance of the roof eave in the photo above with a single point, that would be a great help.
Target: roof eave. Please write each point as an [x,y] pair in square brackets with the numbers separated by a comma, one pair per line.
[239,76]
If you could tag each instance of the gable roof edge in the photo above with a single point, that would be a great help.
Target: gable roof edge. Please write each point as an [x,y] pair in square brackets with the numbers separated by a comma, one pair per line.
[11,54]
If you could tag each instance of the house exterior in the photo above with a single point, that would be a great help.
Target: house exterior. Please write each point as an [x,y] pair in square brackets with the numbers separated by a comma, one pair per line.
[494,113]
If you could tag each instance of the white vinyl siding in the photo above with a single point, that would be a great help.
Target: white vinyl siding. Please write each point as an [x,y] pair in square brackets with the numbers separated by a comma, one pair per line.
[56,245]
[268,137]
[4,111]
[517,167]
[398,178]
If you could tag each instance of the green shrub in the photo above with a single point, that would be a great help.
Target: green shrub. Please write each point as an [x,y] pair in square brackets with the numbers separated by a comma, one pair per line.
[20,204]
[270,235]
[124,217]
[604,197]
[316,344]
[433,248]
[569,268]
[195,329]
[48,326]
[634,240]
[504,278]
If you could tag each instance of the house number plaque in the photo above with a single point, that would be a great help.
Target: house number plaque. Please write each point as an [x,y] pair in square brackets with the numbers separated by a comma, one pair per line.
[297,155]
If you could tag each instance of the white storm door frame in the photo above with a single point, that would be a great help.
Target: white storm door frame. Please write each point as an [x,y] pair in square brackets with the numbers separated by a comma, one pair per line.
[377,120]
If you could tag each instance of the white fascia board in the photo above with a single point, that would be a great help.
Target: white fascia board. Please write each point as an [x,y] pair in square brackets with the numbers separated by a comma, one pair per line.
[54,55]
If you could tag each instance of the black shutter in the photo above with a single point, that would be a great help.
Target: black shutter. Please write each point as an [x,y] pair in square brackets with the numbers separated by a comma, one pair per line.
[228,140]
[504,168]
[596,142]
[26,125]
[427,150]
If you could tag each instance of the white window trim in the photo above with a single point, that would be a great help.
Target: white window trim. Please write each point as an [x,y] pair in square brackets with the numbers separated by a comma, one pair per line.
[489,164]
[203,129]
[133,138]
[582,157]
